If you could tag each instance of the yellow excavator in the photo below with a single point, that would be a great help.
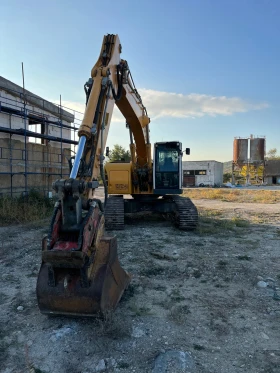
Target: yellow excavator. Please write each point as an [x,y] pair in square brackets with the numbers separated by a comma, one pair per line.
[80,272]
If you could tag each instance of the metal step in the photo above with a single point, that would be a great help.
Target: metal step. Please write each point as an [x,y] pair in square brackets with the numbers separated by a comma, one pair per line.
[114,213]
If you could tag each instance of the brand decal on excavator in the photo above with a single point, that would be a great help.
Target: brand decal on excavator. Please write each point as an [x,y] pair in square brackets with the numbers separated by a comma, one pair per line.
[121,186]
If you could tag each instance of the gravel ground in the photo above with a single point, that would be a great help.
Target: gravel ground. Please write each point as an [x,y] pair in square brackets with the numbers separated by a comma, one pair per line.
[204,301]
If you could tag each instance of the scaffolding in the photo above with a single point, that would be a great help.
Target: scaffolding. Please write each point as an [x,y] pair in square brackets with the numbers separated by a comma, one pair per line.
[31,159]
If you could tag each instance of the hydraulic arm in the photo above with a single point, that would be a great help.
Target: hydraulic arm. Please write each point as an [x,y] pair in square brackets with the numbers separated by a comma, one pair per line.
[80,271]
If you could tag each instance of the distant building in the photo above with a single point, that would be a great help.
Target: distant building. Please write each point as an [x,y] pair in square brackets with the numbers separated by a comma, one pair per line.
[272,172]
[202,173]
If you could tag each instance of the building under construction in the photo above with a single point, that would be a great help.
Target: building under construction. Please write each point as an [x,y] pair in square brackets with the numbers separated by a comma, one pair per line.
[248,160]
[37,140]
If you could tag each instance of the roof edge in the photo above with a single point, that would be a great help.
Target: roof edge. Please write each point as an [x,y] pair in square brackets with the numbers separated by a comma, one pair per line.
[36,100]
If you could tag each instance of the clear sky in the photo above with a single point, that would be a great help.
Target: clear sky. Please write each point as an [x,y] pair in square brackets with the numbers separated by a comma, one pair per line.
[208,70]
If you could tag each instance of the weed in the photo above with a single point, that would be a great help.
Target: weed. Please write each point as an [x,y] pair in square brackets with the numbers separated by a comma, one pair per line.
[176,295]
[241,294]
[214,225]
[241,223]
[211,213]
[123,365]
[199,244]
[178,313]
[139,311]
[196,273]
[222,264]
[244,257]
[160,287]
[198,347]
[251,243]
[16,210]
[112,325]
[152,271]
[203,281]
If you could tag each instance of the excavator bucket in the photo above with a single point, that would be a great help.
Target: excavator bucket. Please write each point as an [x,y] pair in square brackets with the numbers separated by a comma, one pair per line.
[83,290]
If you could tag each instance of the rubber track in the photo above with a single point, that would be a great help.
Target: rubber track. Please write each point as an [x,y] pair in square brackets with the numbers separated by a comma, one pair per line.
[114,213]
[186,214]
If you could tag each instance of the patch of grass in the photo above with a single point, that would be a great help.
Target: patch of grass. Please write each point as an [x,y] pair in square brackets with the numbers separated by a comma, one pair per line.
[234,195]
[241,223]
[211,213]
[19,210]
[214,225]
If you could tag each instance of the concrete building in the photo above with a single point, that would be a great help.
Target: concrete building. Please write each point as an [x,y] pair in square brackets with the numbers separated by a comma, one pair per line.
[196,173]
[35,140]
[272,172]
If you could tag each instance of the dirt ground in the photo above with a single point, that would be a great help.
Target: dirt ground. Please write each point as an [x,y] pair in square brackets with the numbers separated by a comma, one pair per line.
[197,294]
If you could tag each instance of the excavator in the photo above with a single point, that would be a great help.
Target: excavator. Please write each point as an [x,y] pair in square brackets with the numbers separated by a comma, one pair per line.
[80,273]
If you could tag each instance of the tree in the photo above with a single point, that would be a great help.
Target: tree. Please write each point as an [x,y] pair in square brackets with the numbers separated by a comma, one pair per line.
[272,154]
[227,177]
[119,153]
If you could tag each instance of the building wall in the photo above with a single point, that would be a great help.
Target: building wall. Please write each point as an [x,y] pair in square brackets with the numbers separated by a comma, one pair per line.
[268,180]
[214,171]
[272,180]
[46,161]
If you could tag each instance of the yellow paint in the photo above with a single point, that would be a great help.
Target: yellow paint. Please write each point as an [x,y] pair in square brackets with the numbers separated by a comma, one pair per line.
[119,178]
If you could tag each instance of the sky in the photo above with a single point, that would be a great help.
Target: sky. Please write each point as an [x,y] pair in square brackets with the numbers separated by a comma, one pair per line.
[207,70]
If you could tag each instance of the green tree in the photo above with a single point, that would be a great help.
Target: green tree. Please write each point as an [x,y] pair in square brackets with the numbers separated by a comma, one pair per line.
[119,153]
[226,177]
[272,154]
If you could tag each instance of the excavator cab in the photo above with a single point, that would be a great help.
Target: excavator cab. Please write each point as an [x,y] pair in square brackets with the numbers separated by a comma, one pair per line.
[167,168]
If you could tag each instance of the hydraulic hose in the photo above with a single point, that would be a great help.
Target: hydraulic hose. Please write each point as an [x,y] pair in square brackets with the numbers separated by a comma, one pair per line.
[119,93]
[102,174]
[104,183]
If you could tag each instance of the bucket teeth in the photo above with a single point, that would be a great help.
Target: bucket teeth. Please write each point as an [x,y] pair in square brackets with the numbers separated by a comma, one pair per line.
[88,291]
